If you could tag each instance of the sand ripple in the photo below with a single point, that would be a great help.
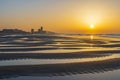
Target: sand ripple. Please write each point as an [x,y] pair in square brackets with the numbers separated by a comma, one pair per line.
[96,51]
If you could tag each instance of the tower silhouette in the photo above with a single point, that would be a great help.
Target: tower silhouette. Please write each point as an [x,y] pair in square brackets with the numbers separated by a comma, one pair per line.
[32,31]
[41,29]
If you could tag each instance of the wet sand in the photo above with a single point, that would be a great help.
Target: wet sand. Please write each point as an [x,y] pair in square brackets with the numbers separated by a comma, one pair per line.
[100,50]
[83,54]
[59,69]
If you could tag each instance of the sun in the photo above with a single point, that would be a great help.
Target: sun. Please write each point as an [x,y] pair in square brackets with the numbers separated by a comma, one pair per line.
[92,26]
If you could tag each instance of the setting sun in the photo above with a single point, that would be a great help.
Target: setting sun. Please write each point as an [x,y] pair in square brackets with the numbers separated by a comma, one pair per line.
[92,26]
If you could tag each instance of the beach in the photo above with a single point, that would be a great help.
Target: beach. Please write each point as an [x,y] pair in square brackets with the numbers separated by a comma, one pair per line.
[57,56]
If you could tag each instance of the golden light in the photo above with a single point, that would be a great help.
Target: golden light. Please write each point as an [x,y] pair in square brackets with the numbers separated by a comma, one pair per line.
[92,18]
[91,37]
[92,26]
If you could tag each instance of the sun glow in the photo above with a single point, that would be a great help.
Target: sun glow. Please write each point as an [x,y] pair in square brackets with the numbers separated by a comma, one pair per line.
[92,26]
[91,37]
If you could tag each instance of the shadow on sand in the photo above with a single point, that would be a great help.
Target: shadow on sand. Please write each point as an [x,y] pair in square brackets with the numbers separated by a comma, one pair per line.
[59,69]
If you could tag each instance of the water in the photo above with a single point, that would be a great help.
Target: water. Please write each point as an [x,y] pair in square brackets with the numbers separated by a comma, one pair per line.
[60,57]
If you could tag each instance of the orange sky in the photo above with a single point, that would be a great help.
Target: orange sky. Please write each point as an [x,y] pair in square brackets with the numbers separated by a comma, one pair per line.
[63,16]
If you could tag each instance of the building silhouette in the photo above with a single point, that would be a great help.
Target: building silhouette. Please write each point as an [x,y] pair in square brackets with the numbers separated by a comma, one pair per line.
[17,31]
[32,31]
[12,31]
[39,31]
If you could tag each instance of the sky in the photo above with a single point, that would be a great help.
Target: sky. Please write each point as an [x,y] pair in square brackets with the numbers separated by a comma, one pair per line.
[62,16]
